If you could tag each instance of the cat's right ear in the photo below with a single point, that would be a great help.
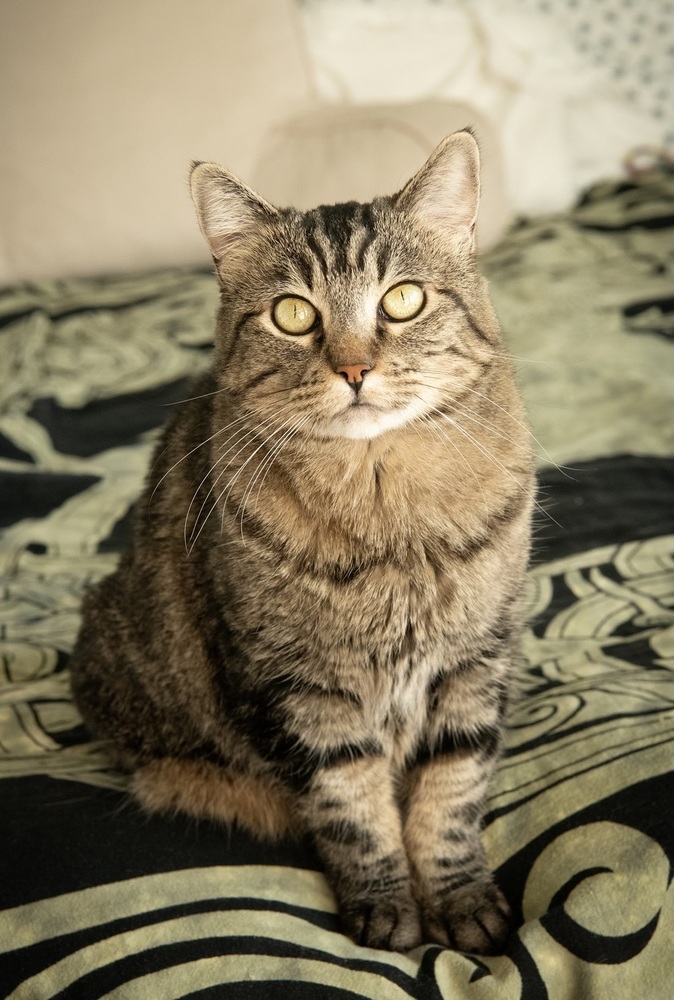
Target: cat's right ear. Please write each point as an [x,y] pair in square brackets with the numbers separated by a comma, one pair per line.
[444,195]
[227,209]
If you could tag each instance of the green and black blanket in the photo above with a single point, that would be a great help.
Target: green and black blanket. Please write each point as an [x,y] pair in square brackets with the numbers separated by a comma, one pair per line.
[98,899]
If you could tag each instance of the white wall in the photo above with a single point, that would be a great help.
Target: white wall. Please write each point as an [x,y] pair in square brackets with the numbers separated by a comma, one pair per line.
[106,102]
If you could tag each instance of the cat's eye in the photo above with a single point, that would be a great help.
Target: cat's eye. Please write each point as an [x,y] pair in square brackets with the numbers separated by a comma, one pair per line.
[294,315]
[404,301]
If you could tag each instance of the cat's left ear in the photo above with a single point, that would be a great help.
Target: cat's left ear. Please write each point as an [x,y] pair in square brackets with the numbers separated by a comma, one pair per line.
[227,209]
[444,195]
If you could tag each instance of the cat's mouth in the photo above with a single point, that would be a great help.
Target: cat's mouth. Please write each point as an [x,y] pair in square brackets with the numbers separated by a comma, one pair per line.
[360,404]
[363,420]
[359,411]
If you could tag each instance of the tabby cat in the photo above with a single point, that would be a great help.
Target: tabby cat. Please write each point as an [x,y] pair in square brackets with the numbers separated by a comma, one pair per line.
[314,627]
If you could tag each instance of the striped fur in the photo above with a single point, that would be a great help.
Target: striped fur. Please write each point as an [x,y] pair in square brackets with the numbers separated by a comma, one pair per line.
[314,627]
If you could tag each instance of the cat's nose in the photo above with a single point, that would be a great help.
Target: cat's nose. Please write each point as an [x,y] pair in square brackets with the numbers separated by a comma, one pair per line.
[354,374]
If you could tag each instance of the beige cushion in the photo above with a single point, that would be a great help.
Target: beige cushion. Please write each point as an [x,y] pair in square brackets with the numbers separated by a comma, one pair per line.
[104,106]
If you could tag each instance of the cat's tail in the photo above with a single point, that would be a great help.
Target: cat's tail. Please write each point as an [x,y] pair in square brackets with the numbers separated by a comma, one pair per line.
[206,791]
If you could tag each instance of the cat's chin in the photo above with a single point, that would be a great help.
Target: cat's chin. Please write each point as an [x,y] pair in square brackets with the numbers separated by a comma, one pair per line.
[361,423]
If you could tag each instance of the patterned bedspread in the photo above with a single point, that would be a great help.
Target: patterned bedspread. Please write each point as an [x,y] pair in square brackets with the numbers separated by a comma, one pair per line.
[97,899]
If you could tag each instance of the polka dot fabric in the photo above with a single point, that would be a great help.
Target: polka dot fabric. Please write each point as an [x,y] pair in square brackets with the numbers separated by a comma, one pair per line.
[631,41]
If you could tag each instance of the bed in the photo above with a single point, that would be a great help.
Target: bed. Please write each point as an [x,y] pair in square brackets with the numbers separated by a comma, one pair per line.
[98,899]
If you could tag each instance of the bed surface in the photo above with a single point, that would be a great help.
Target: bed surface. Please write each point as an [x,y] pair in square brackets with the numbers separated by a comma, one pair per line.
[97,899]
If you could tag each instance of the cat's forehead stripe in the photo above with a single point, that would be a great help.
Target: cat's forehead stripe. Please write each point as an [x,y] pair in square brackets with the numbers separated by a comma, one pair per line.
[382,260]
[368,235]
[338,225]
[306,271]
[316,248]
[339,236]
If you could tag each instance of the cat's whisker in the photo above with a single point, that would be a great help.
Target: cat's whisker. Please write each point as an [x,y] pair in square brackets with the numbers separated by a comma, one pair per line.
[230,486]
[485,451]
[178,402]
[431,423]
[520,423]
[492,458]
[241,437]
[221,430]
[207,440]
[261,465]
[533,361]
[215,392]
[266,464]
[461,385]
[249,436]
[278,392]
[470,415]
[262,422]
[464,411]
[228,489]
[254,416]
[277,450]
[492,428]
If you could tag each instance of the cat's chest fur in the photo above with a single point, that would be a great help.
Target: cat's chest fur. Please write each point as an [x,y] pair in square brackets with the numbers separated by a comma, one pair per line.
[362,554]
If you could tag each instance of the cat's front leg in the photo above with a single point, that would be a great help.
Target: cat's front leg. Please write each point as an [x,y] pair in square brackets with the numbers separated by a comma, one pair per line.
[351,812]
[446,782]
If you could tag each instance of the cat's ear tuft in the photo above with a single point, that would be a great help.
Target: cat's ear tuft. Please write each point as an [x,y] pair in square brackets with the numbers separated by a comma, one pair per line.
[227,209]
[444,195]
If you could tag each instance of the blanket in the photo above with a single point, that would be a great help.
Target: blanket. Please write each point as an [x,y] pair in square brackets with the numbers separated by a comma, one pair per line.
[99,899]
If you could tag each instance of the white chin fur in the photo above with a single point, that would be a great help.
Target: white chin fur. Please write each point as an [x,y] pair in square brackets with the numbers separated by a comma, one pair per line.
[362,423]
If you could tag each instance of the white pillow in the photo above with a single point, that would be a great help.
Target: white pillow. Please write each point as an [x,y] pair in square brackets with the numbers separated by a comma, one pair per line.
[343,153]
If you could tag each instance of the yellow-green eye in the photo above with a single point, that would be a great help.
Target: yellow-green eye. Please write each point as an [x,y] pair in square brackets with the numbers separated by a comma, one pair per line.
[404,301]
[294,315]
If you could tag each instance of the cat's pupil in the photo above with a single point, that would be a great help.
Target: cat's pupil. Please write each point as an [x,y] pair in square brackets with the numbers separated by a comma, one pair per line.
[294,315]
[404,301]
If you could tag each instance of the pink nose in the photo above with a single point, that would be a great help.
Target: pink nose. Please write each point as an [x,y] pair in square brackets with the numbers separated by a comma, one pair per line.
[354,374]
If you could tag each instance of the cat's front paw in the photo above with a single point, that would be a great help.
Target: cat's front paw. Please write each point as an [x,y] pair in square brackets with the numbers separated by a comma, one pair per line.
[389,922]
[475,918]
